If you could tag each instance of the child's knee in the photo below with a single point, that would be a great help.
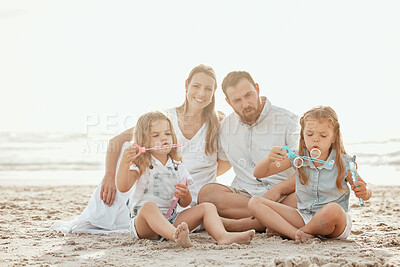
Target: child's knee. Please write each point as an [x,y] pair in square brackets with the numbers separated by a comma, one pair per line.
[254,203]
[333,211]
[148,206]
[207,206]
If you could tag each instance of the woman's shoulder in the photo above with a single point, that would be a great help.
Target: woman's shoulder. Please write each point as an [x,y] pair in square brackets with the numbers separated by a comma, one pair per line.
[220,115]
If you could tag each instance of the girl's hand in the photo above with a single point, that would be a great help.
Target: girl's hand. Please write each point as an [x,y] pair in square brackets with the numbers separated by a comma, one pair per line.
[277,154]
[129,154]
[182,191]
[360,189]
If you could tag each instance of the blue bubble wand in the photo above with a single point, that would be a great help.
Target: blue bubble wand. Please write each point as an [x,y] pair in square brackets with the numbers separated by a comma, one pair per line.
[354,176]
[298,160]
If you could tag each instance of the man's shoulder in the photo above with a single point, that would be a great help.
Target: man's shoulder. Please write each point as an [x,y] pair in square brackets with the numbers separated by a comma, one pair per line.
[290,116]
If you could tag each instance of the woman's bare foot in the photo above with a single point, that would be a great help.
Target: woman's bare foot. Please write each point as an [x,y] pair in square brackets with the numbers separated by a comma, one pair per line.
[181,235]
[239,238]
[301,237]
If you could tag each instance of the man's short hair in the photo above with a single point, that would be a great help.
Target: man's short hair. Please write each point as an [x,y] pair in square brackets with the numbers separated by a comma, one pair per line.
[233,78]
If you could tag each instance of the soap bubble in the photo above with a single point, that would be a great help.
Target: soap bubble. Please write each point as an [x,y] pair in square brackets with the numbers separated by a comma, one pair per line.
[298,162]
[277,164]
[242,162]
[315,153]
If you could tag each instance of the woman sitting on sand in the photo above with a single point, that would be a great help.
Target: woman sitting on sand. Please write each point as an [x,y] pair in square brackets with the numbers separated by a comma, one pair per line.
[196,123]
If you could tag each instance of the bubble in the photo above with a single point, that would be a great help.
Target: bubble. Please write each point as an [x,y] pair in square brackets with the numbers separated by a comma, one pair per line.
[298,162]
[277,164]
[242,162]
[315,153]
[332,162]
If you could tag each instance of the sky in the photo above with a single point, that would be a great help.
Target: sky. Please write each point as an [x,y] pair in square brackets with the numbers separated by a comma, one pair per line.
[96,66]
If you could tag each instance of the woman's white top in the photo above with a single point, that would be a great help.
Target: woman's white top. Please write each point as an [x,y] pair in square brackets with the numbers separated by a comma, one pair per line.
[202,167]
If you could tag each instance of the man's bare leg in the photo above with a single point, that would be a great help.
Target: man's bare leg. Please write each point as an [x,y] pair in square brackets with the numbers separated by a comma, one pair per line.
[229,205]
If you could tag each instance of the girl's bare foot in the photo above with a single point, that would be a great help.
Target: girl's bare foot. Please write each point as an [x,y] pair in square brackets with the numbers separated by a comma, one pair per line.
[301,237]
[270,232]
[181,235]
[239,238]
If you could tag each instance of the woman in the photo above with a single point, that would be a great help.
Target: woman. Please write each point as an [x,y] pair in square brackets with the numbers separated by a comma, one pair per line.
[196,123]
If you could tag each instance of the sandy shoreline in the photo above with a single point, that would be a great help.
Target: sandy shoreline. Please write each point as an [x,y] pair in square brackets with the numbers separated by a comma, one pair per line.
[28,212]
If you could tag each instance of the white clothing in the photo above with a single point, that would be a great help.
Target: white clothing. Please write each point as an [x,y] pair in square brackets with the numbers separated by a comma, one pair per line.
[202,167]
[157,185]
[98,217]
[244,145]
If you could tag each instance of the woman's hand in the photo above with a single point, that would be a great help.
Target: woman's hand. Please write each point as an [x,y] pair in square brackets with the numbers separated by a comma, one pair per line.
[108,190]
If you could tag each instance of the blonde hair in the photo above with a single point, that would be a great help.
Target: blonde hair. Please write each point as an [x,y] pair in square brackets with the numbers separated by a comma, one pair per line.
[328,114]
[141,136]
[209,113]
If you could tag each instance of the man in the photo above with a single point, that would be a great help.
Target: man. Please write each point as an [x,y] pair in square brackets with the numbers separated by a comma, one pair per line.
[246,136]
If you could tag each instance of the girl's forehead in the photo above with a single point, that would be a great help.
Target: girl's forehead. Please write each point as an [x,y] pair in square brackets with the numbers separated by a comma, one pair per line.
[160,124]
[317,123]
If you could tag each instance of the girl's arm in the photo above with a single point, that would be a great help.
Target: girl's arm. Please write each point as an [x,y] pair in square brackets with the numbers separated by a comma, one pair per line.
[360,188]
[126,178]
[267,165]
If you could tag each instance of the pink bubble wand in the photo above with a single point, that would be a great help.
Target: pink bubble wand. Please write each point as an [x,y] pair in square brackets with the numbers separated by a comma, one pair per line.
[143,149]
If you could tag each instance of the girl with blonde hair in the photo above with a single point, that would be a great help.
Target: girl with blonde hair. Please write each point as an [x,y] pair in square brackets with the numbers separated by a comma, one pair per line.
[196,123]
[322,190]
[154,178]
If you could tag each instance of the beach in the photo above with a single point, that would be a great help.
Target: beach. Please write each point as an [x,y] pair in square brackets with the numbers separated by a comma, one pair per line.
[27,212]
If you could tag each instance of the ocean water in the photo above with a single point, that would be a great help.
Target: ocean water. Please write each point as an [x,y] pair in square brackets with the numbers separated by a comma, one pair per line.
[78,159]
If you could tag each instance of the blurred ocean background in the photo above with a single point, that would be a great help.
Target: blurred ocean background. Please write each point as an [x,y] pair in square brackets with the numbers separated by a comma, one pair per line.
[50,158]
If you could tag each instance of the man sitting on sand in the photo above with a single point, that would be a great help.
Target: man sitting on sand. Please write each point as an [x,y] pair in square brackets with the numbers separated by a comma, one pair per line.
[246,136]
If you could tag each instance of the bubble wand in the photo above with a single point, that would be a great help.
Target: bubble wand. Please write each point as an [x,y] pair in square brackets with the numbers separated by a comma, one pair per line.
[143,149]
[298,160]
[354,175]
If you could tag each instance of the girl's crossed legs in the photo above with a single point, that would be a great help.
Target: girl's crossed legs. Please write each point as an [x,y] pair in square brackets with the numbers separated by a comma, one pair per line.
[150,223]
[330,221]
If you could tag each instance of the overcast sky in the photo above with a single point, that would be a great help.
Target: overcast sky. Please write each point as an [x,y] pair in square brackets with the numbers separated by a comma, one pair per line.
[68,64]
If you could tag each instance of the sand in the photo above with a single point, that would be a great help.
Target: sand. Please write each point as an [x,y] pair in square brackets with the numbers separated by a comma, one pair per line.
[26,214]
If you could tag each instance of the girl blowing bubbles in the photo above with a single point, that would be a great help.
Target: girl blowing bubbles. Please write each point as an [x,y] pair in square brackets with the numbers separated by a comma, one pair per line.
[155,176]
[322,190]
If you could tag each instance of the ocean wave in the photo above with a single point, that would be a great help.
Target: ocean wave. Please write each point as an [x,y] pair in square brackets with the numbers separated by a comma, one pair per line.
[374,142]
[41,137]
[40,166]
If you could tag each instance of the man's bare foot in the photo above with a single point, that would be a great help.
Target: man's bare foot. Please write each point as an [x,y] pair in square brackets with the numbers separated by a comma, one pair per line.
[239,238]
[301,237]
[181,235]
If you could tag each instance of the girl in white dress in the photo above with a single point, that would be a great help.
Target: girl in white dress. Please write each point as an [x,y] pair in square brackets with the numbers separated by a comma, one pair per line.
[154,179]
